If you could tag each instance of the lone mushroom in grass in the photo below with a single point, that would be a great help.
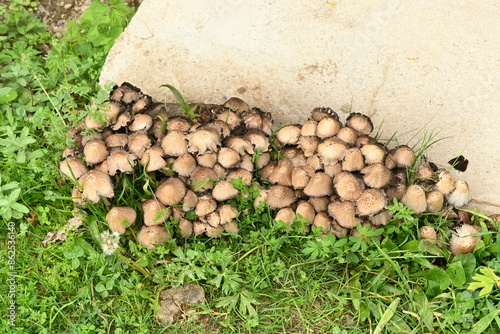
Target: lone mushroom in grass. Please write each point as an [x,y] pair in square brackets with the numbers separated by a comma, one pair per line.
[462,242]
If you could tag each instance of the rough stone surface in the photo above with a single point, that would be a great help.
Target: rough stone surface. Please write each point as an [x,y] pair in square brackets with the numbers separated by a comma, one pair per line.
[176,303]
[410,65]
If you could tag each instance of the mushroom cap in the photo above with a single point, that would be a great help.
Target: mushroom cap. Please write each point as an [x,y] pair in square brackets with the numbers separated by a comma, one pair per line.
[185,227]
[178,123]
[240,173]
[365,140]
[333,170]
[429,233]
[189,201]
[203,140]
[309,145]
[319,185]
[445,184]
[227,213]
[376,175]
[337,230]
[252,120]
[174,143]
[315,163]
[323,221]
[331,151]
[142,104]
[320,113]
[116,140]
[306,211]
[138,143]
[288,135]
[286,215]
[280,196]
[414,197]
[212,219]
[231,227]
[328,127]
[207,160]
[246,162]
[359,122]
[344,213]
[154,212]
[266,171]
[319,203]
[435,201]
[117,216]
[120,161]
[184,165]
[258,140]
[462,242]
[282,173]
[348,186]
[239,144]
[236,104]
[153,159]
[171,191]
[228,158]
[141,122]
[373,153]
[149,236]
[262,160]
[301,176]
[95,151]
[224,190]
[371,202]
[73,167]
[404,156]
[381,218]
[96,183]
[309,128]
[353,160]
[395,191]
[348,134]
[230,118]
[206,204]
[460,195]
[202,174]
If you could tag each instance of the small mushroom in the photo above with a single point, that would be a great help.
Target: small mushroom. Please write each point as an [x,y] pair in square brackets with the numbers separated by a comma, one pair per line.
[462,242]
[319,185]
[445,184]
[320,113]
[376,175]
[328,127]
[206,204]
[203,140]
[95,151]
[73,167]
[171,191]
[460,195]
[204,175]
[240,173]
[189,201]
[344,213]
[373,153]
[152,159]
[138,143]
[231,118]
[309,128]
[239,144]
[414,197]
[348,186]
[280,196]
[323,221]
[331,151]
[224,190]
[309,145]
[185,227]
[141,122]
[360,123]
[371,202]
[289,135]
[236,104]
[149,236]
[319,203]
[282,173]
[174,143]
[305,210]
[95,184]
[259,141]
[227,214]
[120,217]
[429,234]
[348,134]
[286,215]
[435,201]
[301,177]
[184,165]
[207,160]
[403,156]
[178,123]
[154,212]
[353,160]
[381,218]
[117,140]
[120,161]
[228,158]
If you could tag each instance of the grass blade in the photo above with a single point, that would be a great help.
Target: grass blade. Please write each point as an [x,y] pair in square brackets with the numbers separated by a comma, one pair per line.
[482,324]
[386,317]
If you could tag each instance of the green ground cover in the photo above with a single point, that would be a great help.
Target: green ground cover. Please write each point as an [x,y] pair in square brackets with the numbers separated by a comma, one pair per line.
[270,278]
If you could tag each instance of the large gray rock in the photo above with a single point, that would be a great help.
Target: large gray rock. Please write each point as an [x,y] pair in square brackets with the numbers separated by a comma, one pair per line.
[411,65]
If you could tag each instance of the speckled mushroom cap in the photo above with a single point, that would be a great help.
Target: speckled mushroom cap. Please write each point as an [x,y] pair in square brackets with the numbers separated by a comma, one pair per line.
[171,191]
[348,186]
[344,213]
[319,185]
[462,242]
[95,184]
[224,190]
[73,167]
[149,236]
[118,215]
[414,197]
[154,212]
[360,123]
[280,196]
[371,202]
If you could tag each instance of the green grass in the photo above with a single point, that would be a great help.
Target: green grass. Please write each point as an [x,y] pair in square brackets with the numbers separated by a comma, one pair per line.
[269,278]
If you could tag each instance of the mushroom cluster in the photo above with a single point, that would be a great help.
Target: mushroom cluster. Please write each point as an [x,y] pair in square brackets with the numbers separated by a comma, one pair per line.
[332,175]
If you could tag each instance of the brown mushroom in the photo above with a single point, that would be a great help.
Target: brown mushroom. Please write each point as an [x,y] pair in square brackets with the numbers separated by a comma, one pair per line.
[228,158]
[429,234]
[282,173]
[348,186]
[120,217]
[203,175]
[462,242]
[73,167]
[309,145]
[120,161]
[236,104]
[141,122]
[376,175]
[152,159]
[138,143]
[259,141]
[360,123]
[207,160]
[95,184]
[184,165]
[460,195]
[95,151]
[435,201]
[319,203]
[149,236]
[331,151]
[305,210]
[224,190]
[285,215]
[280,196]
[371,202]
[203,140]
[353,160]
[328,127]
[414,197]
[174,143]
[319,185]
[288,135]
[309,128]
[445,184]
[171,191]
[206,204]
[403,156]
[231,118]
[185,227]
[348,134]
[373,153]
[344,213]
[323,221]
[154,212]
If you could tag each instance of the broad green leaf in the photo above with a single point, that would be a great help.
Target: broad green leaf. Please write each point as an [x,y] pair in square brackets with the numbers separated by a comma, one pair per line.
[457,274]
[388,314]
[482,324]
[439,276]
